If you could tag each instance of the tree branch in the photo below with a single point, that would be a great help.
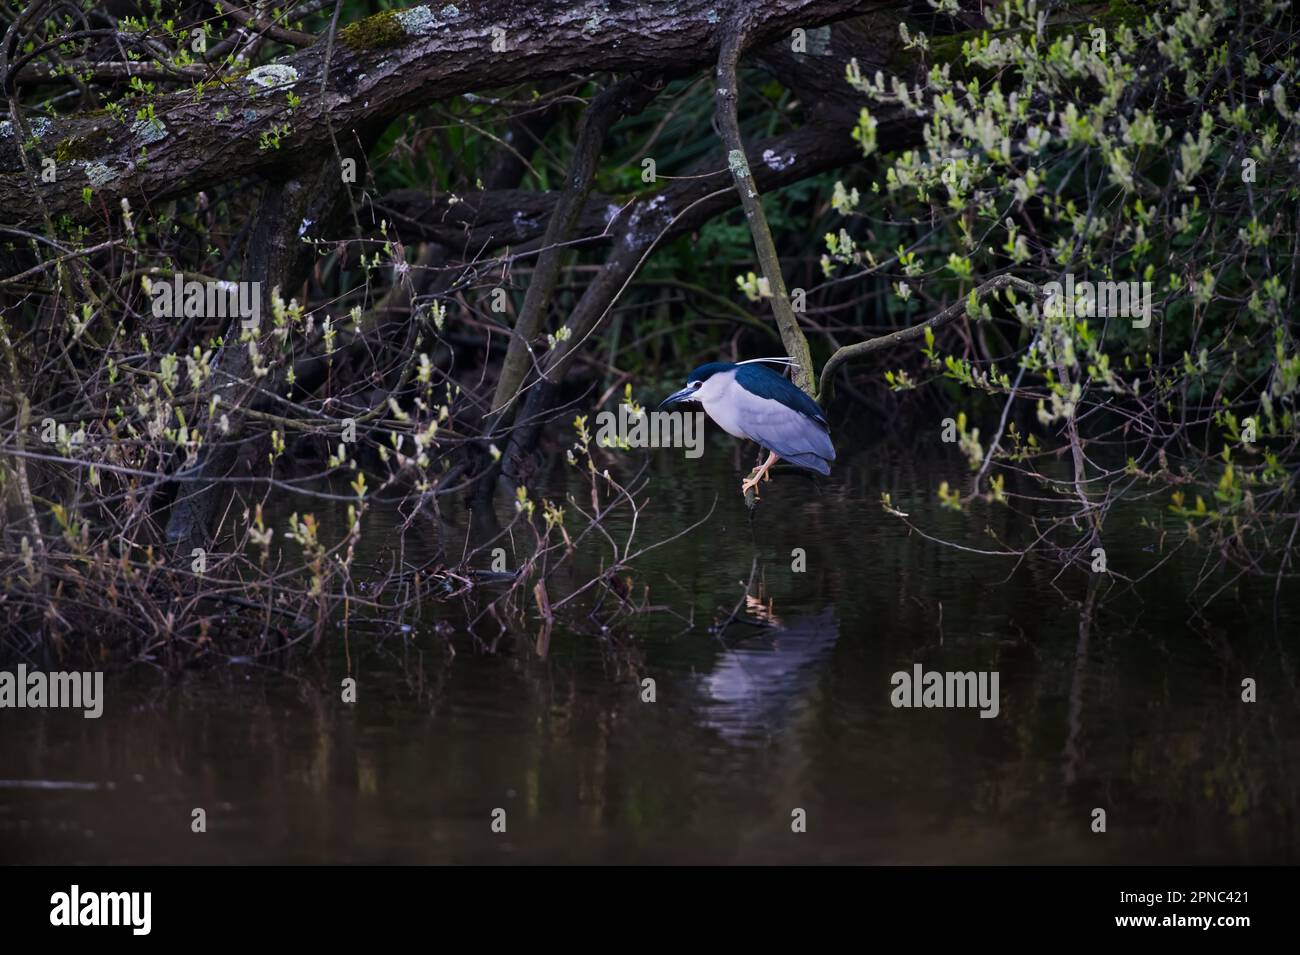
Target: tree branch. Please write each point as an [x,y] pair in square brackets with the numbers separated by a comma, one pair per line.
[274,31]
[796,343]
[382,66]
[914,332]
[626,97]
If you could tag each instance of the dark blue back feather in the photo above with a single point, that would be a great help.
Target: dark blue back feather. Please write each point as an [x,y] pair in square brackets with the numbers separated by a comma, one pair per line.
[766,383]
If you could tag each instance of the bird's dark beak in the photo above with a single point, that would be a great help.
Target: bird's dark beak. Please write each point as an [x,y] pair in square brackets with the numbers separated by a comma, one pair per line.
[686,394]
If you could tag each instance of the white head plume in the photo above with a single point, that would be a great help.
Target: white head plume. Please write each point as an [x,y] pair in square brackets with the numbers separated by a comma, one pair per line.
[776,361]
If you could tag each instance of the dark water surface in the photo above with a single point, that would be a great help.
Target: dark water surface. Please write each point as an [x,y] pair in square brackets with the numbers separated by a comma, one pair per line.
[1133,706]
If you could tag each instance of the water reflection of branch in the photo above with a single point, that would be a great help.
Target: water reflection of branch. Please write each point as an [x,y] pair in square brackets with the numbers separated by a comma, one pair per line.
[735,611]
[1073,751]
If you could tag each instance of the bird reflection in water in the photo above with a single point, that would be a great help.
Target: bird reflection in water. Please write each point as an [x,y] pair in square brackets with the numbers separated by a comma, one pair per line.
[761,684]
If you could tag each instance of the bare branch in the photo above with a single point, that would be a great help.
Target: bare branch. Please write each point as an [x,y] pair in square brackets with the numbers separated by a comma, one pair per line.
[915,332]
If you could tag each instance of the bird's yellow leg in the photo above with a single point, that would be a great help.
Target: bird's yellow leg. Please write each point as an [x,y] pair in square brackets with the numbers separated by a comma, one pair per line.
[758,474]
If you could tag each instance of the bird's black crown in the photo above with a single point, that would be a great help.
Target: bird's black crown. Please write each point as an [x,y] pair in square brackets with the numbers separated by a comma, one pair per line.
[705,372]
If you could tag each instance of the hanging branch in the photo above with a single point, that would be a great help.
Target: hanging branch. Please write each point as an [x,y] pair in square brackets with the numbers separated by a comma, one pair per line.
[792,336]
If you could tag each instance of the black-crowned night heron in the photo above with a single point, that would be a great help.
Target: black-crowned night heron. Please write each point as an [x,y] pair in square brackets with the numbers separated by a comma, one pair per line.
[750,400]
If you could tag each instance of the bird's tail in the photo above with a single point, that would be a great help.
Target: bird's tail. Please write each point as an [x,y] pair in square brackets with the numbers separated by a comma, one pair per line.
[809,460]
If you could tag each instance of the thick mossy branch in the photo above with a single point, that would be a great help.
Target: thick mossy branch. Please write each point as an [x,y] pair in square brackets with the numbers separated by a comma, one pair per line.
[378,32]
[382,66]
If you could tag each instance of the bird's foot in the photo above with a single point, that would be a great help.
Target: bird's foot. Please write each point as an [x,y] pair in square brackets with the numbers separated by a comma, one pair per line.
[760,473]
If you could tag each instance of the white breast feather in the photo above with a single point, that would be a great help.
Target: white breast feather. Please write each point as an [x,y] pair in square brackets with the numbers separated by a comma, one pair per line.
[714,395]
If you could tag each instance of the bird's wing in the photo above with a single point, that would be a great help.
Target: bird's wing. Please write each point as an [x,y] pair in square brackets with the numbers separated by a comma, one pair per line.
[761,380]
[787,432]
